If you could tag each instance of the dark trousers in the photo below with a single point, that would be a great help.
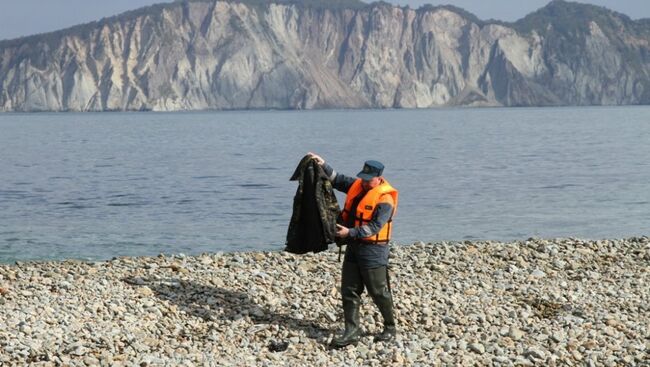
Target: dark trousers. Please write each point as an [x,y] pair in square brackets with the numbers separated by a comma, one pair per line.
[353,281]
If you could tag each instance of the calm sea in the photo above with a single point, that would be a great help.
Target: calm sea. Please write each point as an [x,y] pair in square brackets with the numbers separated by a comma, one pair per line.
[95,186]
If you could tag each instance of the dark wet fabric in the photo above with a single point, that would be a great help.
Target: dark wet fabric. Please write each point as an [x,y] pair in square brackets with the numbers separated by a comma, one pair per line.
[315,210]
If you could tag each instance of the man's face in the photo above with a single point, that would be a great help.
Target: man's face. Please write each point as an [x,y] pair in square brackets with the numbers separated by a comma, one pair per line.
[370,184]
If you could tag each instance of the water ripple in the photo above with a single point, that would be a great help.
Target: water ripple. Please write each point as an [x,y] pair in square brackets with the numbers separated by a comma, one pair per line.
[241,199]
[128,204]
[207,177]
[14,194]
[559,187]
[252,186]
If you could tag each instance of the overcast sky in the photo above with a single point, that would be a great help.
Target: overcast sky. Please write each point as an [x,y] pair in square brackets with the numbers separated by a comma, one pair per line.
[26,17]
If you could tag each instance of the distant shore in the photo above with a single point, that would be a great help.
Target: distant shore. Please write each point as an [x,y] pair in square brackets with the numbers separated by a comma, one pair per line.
[537,302]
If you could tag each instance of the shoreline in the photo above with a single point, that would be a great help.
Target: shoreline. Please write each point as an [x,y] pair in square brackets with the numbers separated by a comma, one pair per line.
[278,248]
[535,302]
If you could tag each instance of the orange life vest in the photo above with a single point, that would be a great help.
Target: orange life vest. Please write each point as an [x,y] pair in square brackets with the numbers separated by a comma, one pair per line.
[366,207]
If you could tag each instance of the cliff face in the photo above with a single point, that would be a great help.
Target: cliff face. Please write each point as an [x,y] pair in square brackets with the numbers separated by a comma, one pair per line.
[233,55]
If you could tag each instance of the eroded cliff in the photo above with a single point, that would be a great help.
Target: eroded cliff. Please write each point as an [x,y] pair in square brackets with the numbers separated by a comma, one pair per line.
[289,55]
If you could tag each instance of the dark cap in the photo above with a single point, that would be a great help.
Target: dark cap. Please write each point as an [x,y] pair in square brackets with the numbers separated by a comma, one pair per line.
[370,170]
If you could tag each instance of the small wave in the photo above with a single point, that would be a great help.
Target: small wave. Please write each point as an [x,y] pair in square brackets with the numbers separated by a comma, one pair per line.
[73,205]
[127,204]
[253,186]
[185,201]
[86,199]
[559,187]
[78,206]
[248,213]
[13,194]
[514,235]
[240,199]
[128,179]
[119,196]
[206,177]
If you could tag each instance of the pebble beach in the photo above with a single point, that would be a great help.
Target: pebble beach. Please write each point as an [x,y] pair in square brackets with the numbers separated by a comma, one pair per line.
[535,302]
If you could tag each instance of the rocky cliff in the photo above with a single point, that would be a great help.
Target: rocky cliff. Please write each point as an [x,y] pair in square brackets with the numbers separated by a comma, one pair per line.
[292,54]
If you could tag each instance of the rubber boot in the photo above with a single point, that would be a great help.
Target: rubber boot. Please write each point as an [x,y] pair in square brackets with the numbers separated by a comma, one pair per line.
[376,280]
[351,289]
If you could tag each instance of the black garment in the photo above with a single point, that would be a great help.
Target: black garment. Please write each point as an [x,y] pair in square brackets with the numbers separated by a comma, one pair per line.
[315,210]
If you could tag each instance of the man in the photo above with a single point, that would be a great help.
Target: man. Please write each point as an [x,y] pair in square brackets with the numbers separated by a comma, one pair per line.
[367,225]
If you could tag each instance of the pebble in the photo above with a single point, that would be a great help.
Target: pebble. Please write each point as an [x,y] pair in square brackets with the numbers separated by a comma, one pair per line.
[536,353]
[144,291]
[538,273]
[477,347]
[515,334]
[524,303]
[558,336]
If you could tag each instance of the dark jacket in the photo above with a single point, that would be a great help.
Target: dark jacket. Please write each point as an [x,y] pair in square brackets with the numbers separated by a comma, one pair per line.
[315,210]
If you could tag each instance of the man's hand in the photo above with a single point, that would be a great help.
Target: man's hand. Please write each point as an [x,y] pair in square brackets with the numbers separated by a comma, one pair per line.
[318,158]
[342,232]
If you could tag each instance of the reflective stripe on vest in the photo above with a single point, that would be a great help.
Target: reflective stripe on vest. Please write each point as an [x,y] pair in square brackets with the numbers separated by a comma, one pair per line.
[367,206]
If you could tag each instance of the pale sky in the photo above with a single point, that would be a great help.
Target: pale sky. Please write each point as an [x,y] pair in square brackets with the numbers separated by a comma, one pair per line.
[26,17]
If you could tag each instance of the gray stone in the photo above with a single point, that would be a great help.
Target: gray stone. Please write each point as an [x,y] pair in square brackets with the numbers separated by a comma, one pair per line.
[538,273]
[462,345]
[558,336]
[515,334]
[536,353]
[477,348]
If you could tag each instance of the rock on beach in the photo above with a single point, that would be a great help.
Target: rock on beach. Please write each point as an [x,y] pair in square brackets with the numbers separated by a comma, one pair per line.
[538,302]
